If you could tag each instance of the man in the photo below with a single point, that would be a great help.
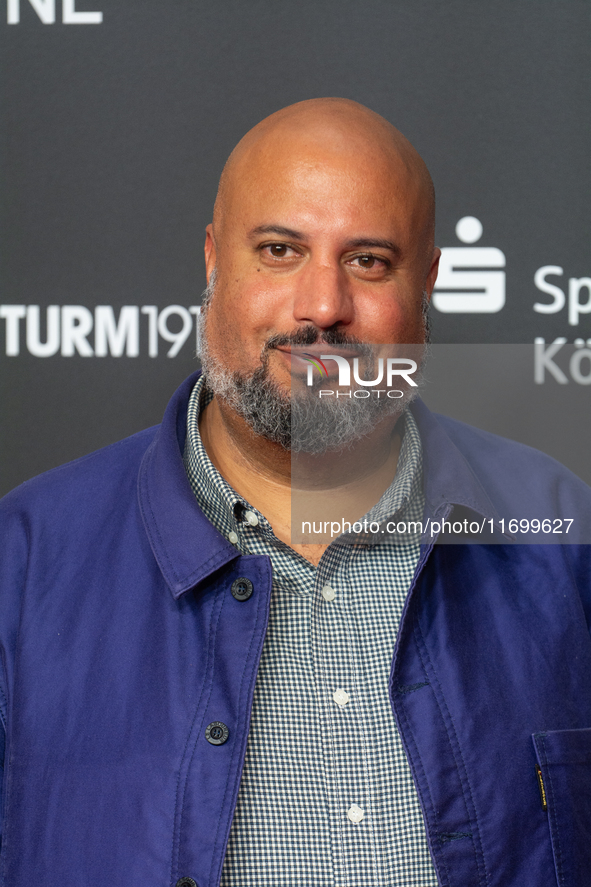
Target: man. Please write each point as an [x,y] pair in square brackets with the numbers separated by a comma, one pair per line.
[189,697]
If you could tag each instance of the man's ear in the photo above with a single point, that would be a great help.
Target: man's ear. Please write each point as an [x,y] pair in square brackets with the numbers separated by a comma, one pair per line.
[432,275]
[210,251]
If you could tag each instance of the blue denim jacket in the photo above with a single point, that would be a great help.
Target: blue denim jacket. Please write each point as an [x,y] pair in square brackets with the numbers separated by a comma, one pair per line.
[121,642]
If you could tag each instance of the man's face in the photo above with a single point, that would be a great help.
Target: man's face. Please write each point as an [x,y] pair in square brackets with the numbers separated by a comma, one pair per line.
[310,236]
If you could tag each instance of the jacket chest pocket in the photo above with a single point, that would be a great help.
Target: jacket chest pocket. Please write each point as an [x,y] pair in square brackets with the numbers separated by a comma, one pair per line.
[564,758]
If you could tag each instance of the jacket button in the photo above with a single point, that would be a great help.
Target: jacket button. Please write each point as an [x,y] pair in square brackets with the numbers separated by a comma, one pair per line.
[186,882]
[216,733]
[242,589]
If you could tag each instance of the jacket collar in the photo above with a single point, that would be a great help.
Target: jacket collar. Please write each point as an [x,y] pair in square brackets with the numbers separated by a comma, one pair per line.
[186,546]
[447,476]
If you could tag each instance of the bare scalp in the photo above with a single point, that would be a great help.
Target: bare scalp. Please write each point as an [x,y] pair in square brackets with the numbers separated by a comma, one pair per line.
[315,128]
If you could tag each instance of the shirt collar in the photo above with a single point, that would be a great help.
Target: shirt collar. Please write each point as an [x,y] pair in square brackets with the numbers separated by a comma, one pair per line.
[221,504]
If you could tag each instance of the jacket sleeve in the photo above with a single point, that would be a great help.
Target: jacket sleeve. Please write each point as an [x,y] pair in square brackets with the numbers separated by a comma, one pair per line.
[2,752]
[14,535]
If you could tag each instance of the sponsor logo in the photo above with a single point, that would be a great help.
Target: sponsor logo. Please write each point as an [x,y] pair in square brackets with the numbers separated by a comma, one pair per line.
[575,284]
[45,10]
[470,279]
[70,330]
[579,364]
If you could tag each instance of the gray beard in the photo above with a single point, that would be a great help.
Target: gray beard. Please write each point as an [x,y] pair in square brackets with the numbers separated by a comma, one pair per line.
[304,422]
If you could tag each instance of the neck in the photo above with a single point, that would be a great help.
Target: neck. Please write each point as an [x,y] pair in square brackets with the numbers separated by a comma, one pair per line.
[262,473]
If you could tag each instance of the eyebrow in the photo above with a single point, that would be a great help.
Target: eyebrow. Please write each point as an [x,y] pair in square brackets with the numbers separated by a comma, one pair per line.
[277,229]
[357,243]
[372,243]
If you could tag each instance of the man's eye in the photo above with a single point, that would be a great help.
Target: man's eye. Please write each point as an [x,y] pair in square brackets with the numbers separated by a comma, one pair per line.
[370,261]
[277,250]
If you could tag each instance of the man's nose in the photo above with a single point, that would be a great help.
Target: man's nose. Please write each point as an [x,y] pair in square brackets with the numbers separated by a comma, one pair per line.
[324,296]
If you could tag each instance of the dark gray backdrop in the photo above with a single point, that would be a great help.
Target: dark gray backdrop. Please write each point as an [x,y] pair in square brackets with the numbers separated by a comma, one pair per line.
[114,135]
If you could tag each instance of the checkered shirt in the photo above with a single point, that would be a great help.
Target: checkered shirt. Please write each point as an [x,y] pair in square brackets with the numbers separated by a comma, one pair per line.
[310,759]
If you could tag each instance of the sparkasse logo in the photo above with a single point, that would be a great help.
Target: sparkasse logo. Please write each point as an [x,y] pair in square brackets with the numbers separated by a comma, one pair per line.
[470,280]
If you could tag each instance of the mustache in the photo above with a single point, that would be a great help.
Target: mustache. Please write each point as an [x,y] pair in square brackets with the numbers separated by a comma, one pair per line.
[311,335]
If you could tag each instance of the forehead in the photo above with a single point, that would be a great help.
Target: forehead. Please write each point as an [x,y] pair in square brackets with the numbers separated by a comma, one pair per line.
[324,184]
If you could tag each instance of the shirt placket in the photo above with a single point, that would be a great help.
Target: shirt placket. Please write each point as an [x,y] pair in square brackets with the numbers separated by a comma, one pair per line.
[343,716]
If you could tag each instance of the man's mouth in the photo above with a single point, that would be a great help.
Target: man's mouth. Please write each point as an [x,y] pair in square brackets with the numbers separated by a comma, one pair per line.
[304,349]
[315,352]
[301,355]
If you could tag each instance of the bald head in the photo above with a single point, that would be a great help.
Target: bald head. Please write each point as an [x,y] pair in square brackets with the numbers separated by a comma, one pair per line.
[317,131]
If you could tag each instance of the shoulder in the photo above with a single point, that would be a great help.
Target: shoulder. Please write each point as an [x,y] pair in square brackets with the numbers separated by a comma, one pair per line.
[505,459]
[83,483]
[95,498]
[519,481]
[486,447]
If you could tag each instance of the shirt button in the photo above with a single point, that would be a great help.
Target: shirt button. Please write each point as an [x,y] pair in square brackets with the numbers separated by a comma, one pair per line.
[251,518]
[186,882]
[233,537]
[328,593]
[340,697]
[355,813]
